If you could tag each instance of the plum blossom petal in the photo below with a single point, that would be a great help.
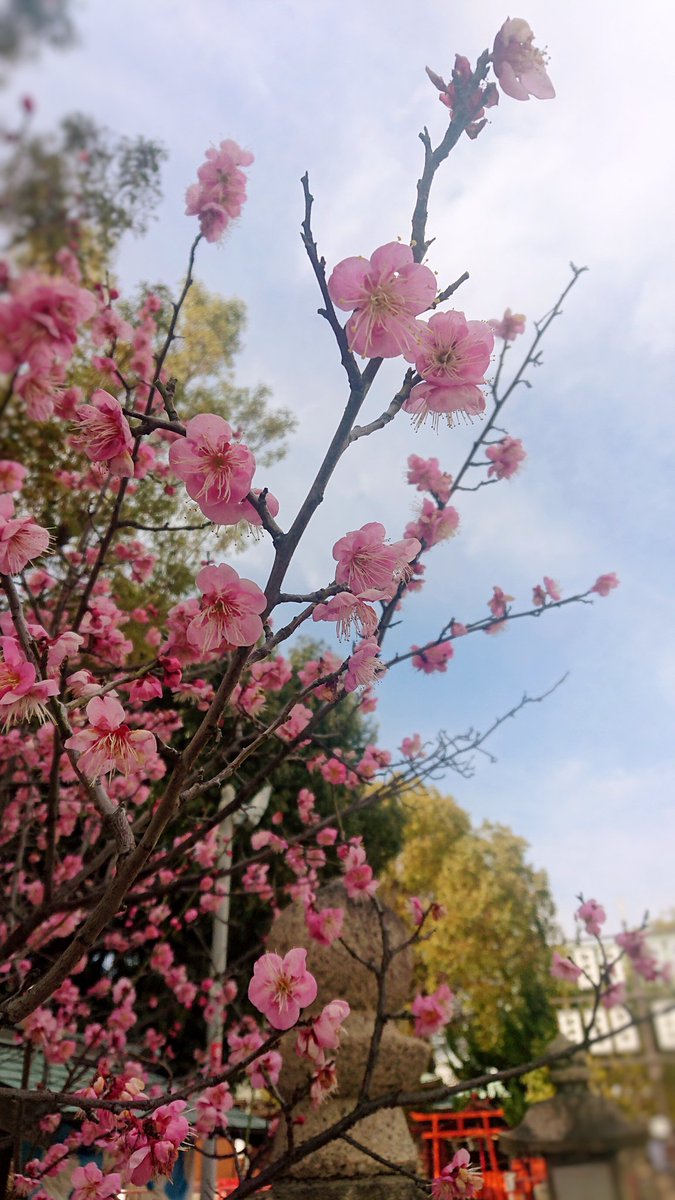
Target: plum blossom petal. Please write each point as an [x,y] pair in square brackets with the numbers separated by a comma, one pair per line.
[281,987]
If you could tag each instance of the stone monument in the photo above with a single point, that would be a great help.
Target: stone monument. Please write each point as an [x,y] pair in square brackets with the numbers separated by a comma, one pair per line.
[338,1171]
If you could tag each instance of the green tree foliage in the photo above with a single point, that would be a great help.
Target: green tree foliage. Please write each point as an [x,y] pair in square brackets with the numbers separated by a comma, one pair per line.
[217,325]
[24,24]
[202,363]
[493,945]
[80,187]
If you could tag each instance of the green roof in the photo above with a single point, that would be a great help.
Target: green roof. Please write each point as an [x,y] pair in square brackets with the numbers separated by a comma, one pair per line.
[55,1077]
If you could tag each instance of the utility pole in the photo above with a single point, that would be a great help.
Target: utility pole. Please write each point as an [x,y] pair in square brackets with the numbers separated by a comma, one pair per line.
[250,816]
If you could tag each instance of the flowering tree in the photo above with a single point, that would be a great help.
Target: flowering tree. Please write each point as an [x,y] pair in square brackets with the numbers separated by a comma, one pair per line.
[119,750]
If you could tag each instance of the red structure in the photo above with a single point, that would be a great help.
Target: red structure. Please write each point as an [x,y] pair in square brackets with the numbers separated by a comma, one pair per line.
[478,1130]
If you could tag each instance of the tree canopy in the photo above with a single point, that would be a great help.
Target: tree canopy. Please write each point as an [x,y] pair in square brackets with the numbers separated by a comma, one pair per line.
[493,944]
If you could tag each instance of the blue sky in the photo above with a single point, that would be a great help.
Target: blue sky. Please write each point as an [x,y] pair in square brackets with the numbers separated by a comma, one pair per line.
[340,89]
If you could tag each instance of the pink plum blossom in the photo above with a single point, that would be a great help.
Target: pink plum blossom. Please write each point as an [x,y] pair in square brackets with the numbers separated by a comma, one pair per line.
[213,1106]
[324,1082]
[426,474]
[109,744]
[510,325]
[452,352]
[299,716]
[463,95]
[432,1012]
[323,1033]
[434,524]
[89,1183]
[272,674]
[498,603]
[364,666]
[21,540]
[632,942]
[281,987]
[604,584]
[452,357]
[41,320]
[217,470]
[103,433]
[306,802]
[61,648]
[325,925]
[351,613]
[614,995]
[219,195]
[158,1155]
[549,590]
[318,668]
[411,747]
[23,696]
[593,916]
[233,512]
[552,589]
[634,945]
[148,688]
[505,457]
[264,1071]
[334,771]
[564,968]
[327,836]
[229,612]
[432,658]
[519,66]
[358,878]
[428,399]
[365,560]
[458,1180]
[386,293]
[12,475]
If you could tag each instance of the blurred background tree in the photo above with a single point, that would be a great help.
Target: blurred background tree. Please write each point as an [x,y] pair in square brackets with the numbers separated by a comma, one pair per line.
[25,24]
[81,187]
[493,946]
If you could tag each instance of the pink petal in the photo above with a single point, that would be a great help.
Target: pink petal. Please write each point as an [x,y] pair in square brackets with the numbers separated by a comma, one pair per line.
[208,426]
[418,285]
[104,712]
[538,83]
[393,256]
[346,284]
[510,84]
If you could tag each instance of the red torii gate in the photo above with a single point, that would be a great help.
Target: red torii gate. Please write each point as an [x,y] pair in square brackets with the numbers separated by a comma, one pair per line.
[442,1133]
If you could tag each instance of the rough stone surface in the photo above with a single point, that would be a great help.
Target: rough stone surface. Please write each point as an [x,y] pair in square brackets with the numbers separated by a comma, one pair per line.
[400,1063]
[339,1171]
[574,1123]
[339,974]
[380,1187]
[573,1126]
[386,1132]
